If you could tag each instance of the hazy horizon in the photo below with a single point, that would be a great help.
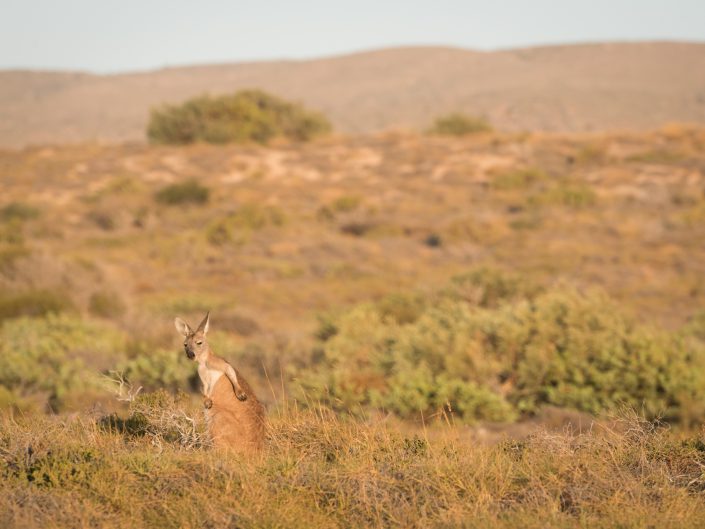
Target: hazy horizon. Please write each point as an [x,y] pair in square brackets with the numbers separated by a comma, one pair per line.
[81,36]
[344,53]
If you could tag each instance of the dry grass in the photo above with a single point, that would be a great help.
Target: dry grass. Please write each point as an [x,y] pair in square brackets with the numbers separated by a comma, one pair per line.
[323,471]
[291,231]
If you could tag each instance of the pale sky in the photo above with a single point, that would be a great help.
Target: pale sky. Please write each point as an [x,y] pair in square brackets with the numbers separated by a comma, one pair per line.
[115,36]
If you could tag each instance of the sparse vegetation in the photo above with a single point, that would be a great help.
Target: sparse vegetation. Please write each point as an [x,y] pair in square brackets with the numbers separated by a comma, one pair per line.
[572,195]
[237,227]
[247,116]
[518,179]
[18,211]
[187,192]
[458,124]
[476,296]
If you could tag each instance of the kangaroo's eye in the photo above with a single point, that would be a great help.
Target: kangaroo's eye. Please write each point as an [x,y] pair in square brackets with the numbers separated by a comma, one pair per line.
[199,343]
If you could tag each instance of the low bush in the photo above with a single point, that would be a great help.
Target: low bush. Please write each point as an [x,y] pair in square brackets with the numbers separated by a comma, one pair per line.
[188,192]
[458,124]
[571,195]
[237,227]
[161,368]
[56,358]
[247,116]
[502,349]
[18,211]
[346,203]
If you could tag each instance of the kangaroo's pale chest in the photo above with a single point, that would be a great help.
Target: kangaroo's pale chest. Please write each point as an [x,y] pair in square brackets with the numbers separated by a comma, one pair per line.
[208,378]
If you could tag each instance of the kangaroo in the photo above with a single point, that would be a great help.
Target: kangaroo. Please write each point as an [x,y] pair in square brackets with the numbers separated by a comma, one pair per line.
[234,415]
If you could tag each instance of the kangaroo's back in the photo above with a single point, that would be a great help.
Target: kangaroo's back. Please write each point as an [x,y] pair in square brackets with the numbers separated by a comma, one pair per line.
[235,424]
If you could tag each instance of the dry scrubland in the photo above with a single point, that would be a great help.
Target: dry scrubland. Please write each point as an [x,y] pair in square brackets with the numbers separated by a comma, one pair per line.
[569,88]
[422,314]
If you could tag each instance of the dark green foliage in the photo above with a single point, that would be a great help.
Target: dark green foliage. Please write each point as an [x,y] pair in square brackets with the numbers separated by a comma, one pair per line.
[458,124]
[247,116]
[188,192]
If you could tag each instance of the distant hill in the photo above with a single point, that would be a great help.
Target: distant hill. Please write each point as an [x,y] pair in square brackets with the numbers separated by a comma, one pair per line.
[558,88]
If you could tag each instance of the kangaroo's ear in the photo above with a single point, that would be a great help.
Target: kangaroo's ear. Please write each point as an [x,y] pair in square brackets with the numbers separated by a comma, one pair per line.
[204,324]
[182,327]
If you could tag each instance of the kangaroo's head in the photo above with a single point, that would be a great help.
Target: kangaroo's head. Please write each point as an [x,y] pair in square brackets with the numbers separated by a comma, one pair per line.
[195,343]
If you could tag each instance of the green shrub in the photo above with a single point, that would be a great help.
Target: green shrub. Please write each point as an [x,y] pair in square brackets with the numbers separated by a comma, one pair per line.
[161,368]
[18,211]
[57,358]
[696,326]
[188,192]
[237,226]
[247,116]
[581,352]
[458,124]
[33,303]
[401,307]
[346,203]
[495,353]
[572,195]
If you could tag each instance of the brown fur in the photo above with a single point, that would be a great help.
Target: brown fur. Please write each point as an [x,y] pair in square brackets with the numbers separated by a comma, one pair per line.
[236,419]
[234,424]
